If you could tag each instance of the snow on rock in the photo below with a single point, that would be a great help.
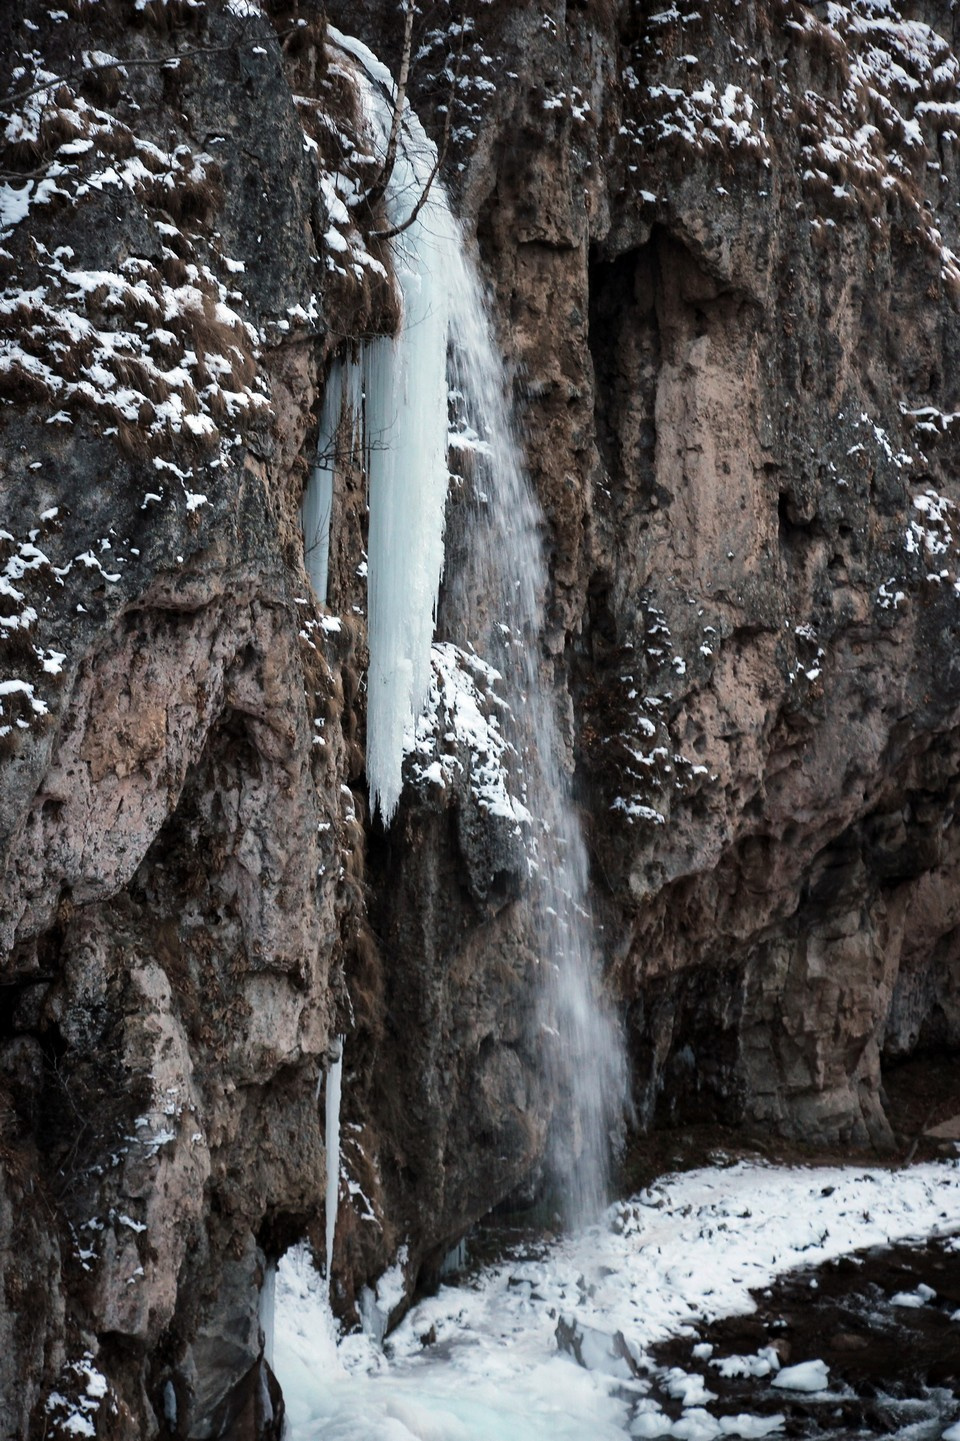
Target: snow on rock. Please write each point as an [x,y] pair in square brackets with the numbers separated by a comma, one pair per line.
[689,1390]
[763,1363]
[913,1300]
[651,770]
[751,1427]
[711,115]
[867,144]
[462,719]
[154,344]
[651,1423]
[691,1248]
[806,1376]
[72,1410]
[139,337]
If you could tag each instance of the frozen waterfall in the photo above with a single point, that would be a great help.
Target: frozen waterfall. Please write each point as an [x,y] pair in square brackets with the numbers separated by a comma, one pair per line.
[444,352]
[401,383]
[332,1096]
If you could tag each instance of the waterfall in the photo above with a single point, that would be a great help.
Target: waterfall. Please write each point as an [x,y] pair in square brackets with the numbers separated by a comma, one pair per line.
[494,609]
[497,601]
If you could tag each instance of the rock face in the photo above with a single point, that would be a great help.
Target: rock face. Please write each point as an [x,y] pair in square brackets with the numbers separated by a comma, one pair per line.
[721,243]
[721,246]
[170,910]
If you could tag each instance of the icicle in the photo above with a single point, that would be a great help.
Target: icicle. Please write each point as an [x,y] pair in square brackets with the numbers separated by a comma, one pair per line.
[268,1292]
[317,505]
[337,439]
[332,1141]
[406,434]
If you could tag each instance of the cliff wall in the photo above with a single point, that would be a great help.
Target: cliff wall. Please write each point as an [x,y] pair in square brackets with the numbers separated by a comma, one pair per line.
[721,243]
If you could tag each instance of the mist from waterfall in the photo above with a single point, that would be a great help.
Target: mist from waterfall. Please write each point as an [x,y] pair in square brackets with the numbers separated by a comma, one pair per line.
[444,356]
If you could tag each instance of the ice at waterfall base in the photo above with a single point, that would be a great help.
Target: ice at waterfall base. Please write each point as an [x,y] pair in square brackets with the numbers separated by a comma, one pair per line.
[688,1249]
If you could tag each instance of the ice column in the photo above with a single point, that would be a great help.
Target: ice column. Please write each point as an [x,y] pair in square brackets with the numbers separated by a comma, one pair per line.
[405,390]
[338,437]
[268,1295]
[317,502]
[332,1141]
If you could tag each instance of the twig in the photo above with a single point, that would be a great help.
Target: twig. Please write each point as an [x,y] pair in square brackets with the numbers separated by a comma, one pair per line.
[396,230]
[379,187]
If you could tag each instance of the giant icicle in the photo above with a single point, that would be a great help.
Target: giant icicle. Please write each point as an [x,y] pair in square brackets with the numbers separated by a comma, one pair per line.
[317,506]
[340,430]
[334,1086]
[404,386]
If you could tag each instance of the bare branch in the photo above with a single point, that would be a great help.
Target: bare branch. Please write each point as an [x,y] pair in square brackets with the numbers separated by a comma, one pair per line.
[379,187]
[442,148]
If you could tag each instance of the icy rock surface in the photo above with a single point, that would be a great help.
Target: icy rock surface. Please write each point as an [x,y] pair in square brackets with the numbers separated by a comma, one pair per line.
[556,1343]
[805,1376]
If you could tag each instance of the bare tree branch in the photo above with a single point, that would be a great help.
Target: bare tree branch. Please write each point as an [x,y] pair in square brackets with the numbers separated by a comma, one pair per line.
[442,148]
[379,187]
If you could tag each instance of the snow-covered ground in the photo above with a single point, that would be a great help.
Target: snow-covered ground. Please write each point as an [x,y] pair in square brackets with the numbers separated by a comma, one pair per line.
[688,1249]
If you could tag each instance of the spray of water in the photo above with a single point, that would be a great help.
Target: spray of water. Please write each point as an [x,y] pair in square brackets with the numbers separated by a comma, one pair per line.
[493,606]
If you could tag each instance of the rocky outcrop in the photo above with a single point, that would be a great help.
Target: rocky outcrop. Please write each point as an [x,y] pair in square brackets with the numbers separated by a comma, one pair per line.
[720,242]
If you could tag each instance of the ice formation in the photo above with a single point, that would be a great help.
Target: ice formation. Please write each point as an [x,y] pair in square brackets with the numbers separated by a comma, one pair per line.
[340,425]
[332,1141]
[403,382]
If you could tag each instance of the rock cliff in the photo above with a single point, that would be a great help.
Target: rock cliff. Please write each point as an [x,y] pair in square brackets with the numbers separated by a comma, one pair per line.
[722,249]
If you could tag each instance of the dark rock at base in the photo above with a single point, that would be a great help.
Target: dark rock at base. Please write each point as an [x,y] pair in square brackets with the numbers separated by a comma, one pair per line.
[252,1412]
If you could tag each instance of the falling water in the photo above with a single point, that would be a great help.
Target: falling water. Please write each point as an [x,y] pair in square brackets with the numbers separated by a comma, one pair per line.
[493,607]
[498,600]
